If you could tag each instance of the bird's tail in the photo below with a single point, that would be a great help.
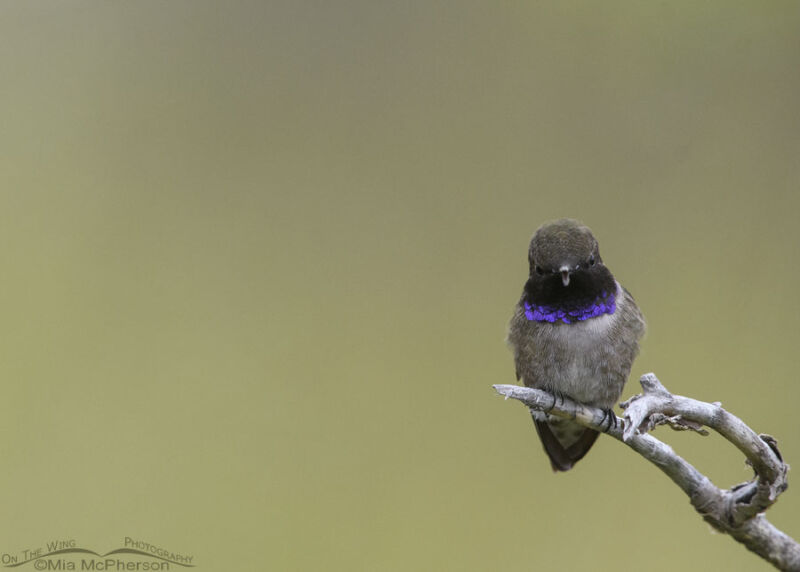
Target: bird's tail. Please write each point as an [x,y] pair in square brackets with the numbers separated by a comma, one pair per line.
[564,442]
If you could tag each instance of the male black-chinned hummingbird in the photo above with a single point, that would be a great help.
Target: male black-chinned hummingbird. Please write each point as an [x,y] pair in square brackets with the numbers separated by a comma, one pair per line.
[574,332]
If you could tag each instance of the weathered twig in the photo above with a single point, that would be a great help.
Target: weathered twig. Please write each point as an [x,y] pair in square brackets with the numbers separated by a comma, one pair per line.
[736,511]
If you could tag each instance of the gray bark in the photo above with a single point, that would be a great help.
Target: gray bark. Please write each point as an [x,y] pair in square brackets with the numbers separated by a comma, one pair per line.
[737,511]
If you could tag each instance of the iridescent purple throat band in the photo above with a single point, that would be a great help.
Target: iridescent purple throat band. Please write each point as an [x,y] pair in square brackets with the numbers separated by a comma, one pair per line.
[601,305]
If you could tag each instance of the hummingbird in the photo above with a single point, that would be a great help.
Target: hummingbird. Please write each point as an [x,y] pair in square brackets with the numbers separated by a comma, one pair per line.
[575,332]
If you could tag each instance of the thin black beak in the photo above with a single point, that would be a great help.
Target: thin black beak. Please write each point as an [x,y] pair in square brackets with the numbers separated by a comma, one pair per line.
[564,275]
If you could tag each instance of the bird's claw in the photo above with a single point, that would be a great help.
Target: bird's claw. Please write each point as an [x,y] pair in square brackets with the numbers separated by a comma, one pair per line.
[611,417]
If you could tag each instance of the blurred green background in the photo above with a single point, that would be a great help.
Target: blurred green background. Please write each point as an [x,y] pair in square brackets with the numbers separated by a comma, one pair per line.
[259,258]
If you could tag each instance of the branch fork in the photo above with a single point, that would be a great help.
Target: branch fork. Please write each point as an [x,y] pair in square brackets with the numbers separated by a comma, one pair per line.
[737,511]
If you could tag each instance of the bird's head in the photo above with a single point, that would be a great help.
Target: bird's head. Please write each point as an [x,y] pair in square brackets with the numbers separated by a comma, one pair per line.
[565,262]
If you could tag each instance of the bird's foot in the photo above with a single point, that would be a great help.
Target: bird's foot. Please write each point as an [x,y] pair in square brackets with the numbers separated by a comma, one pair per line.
[611,417]
[557,396]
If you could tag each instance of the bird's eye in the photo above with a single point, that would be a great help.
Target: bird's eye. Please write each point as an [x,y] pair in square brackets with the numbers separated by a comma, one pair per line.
[539,270]
[591,260]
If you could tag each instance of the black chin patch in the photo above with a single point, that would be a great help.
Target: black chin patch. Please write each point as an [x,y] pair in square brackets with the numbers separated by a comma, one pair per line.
[584,285]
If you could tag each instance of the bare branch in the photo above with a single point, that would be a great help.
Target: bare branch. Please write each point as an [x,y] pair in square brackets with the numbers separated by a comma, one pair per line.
[737,511]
